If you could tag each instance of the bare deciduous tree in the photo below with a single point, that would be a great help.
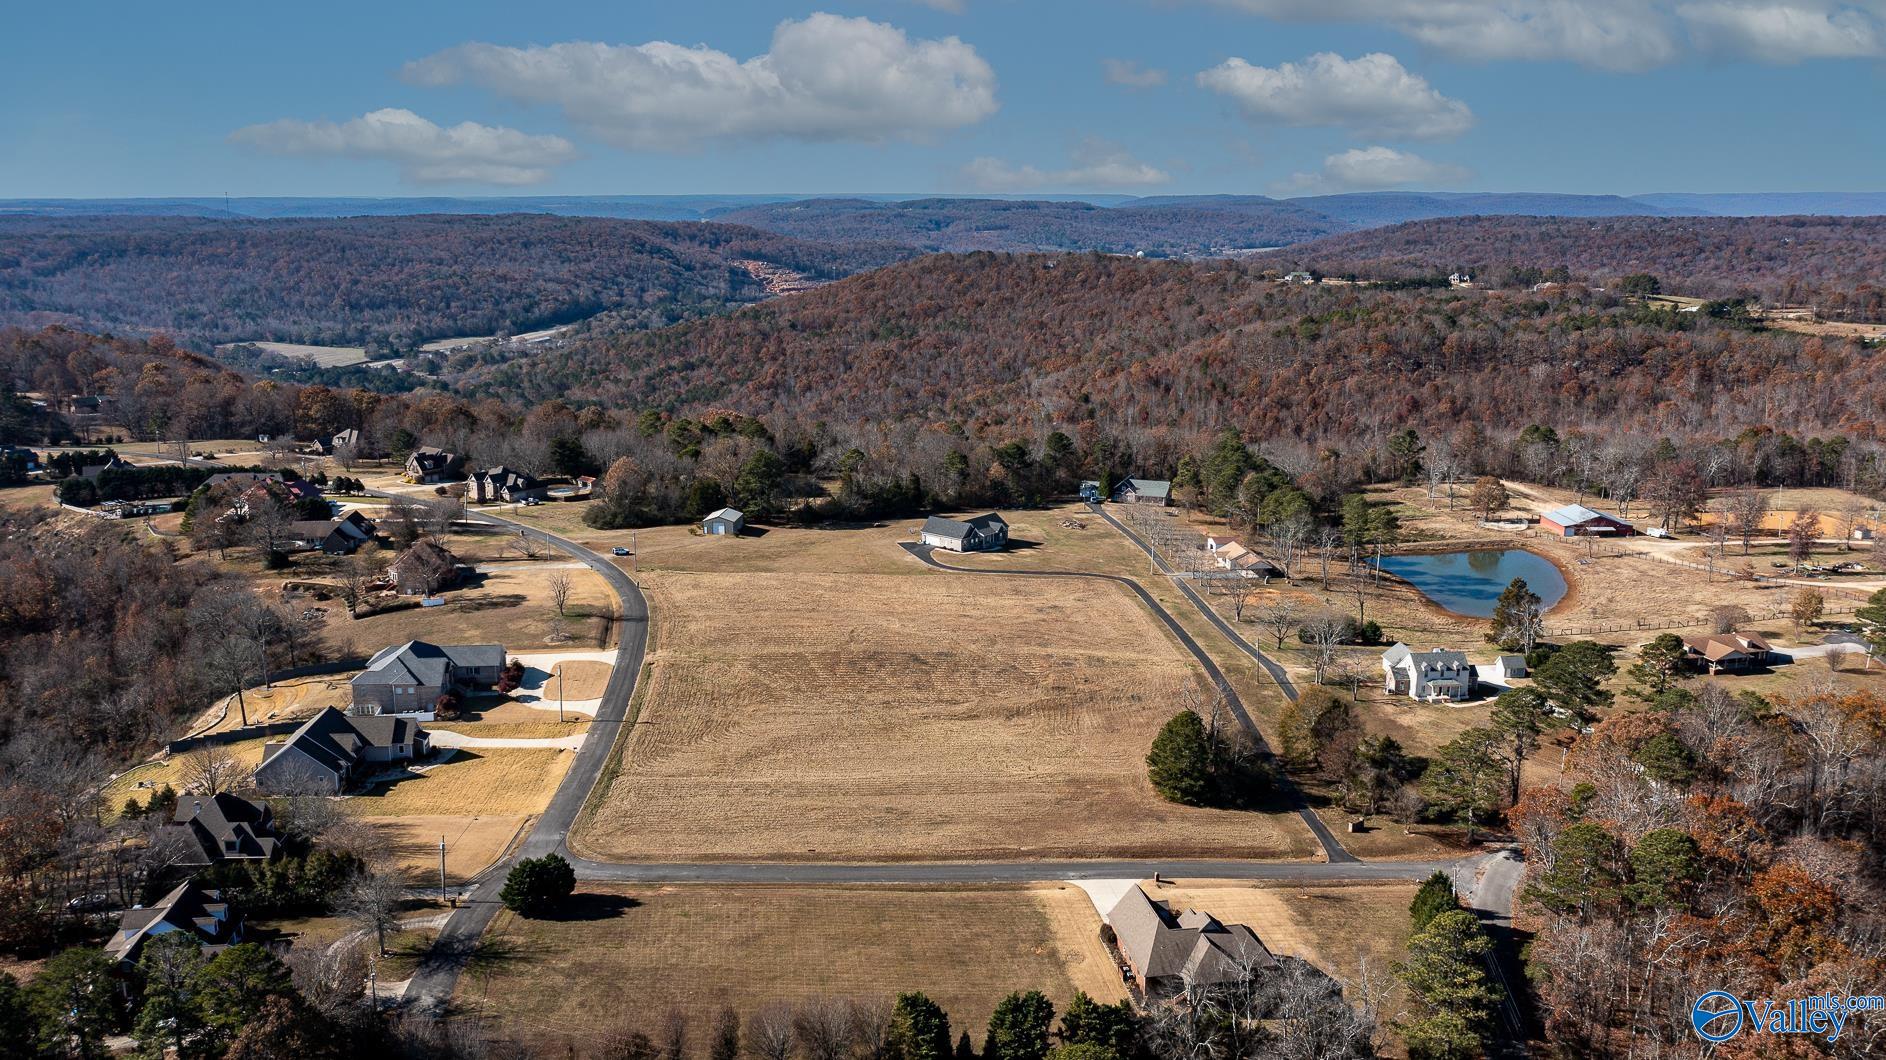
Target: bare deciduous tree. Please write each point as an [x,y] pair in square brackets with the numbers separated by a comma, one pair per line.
[210,769]
[1326,632]
[770,1033]
[1279,617]
[371,903]
[1747,508]
[559,585]
[1240,591]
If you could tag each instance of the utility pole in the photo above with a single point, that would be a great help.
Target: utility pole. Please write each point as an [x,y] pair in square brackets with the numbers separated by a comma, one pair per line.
[373,984]
[441,870]
[560,693]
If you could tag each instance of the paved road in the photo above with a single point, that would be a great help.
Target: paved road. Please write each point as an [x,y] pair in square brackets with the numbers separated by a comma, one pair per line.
[437,974]
[926,872]
[1489,886]
[1332,847]
[1271,666]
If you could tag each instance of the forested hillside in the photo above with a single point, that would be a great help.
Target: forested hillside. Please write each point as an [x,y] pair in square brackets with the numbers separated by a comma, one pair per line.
[1142,349]
[391,281]
[1170,227]
[1837,263]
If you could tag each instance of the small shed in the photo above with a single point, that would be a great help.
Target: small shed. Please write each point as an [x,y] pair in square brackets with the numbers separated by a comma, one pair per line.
[727,522]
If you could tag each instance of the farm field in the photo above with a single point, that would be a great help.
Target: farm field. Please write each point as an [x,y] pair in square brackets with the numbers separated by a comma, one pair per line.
[325,356]
[921,715]
[699,947]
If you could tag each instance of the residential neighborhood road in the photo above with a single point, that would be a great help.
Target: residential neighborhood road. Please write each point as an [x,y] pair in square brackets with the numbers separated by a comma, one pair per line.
[1332,847]
[437,974]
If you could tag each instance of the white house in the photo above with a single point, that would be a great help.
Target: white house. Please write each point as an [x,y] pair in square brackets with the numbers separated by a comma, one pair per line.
[1441,675]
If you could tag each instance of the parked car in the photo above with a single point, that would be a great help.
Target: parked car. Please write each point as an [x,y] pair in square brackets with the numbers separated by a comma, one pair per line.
[88,903]
[620,551]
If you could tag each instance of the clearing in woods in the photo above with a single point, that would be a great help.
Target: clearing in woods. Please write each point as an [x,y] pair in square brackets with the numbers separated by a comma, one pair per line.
[906,716]
[699,947]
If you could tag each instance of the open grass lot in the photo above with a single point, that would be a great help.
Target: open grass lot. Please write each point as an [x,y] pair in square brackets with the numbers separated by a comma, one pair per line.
[511,606]
[503,718]
[21,498]
[472,843]
[500,781]
[628,954]
[578,680]
[291,700]
[922,715]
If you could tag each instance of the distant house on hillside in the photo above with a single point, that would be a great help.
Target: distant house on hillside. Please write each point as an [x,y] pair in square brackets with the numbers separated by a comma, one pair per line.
[224,827]
[331,749]
[1232,556]
[197,911]
[334,443]
[984,533]
[1576,520]
[1442,674]
[1732,652]
[727,522]
[90,472]
[1143,491]
[1166,951]
[424,569]
[1300,279]
[505,484]
[429,465]
[409,678]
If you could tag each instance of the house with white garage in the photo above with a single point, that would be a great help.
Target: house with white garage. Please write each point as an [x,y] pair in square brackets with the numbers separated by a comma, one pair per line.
[1440,675]
[984,533]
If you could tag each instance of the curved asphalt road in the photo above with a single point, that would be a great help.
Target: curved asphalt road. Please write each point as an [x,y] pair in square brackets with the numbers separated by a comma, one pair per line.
[1332,848]
[437,974]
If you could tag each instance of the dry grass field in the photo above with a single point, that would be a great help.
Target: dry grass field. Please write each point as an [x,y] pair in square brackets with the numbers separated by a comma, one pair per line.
[578,680]
[924,715]
[146,778]
[500,781]
[503,718]
[700,947]
[324,356]
[471,844]
[511,607]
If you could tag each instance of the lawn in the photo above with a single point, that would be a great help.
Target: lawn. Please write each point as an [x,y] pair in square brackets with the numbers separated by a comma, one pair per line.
[146,778]
[324,356]
[503,718]
[472,843]
[501,781]
[625,955]
[912,716]
[510,606]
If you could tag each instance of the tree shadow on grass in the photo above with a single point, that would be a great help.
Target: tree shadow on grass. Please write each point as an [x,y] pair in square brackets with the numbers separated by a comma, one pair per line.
[491,602]
[582,907]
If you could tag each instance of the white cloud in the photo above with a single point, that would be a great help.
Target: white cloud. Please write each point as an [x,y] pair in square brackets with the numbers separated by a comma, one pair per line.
[1373,95]
[425,153]
[1610,34]
[1614,34]
[1131,74]
[1374,168]
[1095,165]
[1783,33]
[824,78]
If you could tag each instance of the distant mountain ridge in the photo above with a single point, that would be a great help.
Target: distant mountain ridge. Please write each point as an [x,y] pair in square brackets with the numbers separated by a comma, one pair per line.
[1154,225]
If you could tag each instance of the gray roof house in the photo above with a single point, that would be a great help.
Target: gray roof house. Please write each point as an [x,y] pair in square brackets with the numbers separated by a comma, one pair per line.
[409,678]
[224,827]
[1166,950]
[323,535]
[424,569]
[984,533]
[1441,674]
[1143,491]
[505,484]
[329,748]
[727,522]
[190,908]
[431,464]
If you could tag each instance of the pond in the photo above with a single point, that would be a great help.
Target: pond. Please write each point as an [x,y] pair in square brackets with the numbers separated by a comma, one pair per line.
[1468,583]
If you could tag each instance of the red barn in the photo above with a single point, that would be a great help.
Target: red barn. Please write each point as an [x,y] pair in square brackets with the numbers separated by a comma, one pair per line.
[1576,520]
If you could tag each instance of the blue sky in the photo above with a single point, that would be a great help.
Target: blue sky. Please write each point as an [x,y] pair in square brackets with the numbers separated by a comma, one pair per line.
[951,96]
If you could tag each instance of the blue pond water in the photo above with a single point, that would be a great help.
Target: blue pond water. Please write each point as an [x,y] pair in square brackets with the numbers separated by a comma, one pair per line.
[1468,583]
